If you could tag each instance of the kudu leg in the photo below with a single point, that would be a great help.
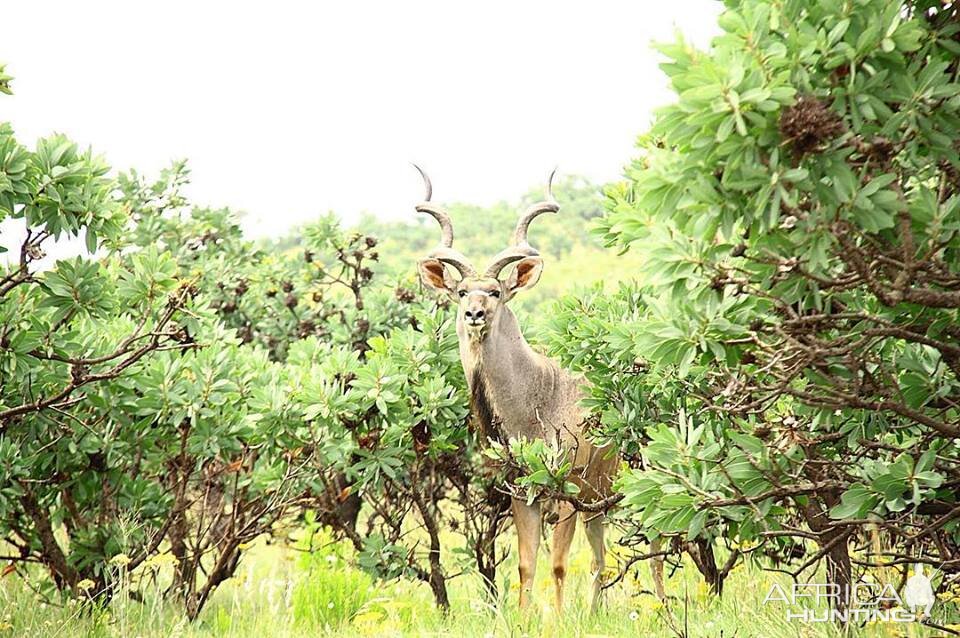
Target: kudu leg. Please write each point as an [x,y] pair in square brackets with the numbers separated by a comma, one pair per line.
[526,518]
[562,536]
[593,524]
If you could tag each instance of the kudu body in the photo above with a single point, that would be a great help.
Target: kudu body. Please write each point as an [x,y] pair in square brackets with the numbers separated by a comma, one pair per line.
[517,392]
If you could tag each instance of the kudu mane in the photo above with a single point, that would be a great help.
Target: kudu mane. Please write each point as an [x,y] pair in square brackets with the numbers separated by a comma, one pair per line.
[484,418]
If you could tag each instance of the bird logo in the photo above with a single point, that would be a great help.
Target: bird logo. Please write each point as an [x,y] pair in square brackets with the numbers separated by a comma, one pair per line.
[918,592]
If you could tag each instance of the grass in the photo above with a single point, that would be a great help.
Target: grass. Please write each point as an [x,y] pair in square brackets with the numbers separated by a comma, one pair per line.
[281,592]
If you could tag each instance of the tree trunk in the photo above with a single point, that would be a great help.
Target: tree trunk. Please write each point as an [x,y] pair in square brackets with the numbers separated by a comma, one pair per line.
[438,584]
[349,508]
[833,540]
[224,568]
[436,578]
[496,503]
[489,575]
[64,575]
[339,505]
[701,551]
[486,556]
[838,565]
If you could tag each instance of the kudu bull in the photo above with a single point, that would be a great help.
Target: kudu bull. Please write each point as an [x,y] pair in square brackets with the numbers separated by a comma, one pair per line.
[517,392]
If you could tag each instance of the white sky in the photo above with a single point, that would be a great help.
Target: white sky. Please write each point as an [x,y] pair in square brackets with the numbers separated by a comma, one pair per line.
[287,110]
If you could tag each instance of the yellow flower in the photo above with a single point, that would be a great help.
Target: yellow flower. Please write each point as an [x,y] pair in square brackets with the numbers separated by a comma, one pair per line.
[368,622]
[85,584]
[167,558]
[159,560]
[120,559]
[702,590]
[649,604]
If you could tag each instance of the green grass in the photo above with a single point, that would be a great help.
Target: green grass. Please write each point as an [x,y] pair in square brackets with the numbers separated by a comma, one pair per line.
[278,591]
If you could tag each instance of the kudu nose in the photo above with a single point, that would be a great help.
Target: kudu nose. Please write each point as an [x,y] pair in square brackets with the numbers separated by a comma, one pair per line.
[474,315]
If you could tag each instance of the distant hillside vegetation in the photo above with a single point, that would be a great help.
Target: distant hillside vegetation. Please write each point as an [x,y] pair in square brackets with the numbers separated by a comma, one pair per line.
[574,257]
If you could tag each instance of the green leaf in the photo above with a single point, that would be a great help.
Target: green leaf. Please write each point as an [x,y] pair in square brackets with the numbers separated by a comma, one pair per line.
[91,240]
[854,503]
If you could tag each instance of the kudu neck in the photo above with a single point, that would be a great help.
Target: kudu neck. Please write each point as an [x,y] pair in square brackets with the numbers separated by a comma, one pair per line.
[502,355]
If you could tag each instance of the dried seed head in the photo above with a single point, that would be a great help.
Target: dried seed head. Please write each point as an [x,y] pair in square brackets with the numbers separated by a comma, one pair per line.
[306,328]
[808,124]
[245,333]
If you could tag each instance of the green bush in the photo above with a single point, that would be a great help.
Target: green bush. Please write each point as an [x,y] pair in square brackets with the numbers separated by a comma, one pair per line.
[788,365]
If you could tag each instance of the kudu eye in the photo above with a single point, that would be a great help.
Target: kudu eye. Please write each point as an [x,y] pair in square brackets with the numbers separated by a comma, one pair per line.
[495,293]
[462,293]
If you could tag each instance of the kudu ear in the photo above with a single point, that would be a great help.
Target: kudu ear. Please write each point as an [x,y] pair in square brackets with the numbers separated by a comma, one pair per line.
[524,276]
[434,275]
